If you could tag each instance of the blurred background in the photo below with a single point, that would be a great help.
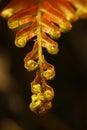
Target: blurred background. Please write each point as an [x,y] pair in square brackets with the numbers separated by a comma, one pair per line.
[69,111]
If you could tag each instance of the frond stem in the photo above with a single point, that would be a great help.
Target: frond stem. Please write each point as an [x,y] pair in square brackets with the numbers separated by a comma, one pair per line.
[39,40]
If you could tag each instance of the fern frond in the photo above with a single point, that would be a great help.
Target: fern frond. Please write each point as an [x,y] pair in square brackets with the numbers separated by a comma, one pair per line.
[45,20]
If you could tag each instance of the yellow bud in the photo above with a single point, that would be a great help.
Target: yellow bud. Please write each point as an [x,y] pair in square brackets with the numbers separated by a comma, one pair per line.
[31,107]
[31,65]
[35,105]
[7,13]
[82,12]
[36,97]
[21,41]
[49,74]
[55,34]
[35,89]
[36,102]
[13,24]
[52,49]
[65,26]
[41,97]
[49,94]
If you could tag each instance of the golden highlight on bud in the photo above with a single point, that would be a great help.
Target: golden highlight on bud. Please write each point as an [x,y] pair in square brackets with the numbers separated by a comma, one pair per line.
[37,101]
[7,13]
[52,49]
[54,34]
[35,89]
[49,74]
[20,41]
[41,98]
[31,65]
[39,105]
[13,24]
[49,95]
[65,26]
[82,12]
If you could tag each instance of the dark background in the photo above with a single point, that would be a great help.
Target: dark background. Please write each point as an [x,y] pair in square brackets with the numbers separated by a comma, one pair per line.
[69,111]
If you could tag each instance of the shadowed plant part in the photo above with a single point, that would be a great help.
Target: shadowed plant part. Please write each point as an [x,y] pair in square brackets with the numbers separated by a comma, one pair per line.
[44,21]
